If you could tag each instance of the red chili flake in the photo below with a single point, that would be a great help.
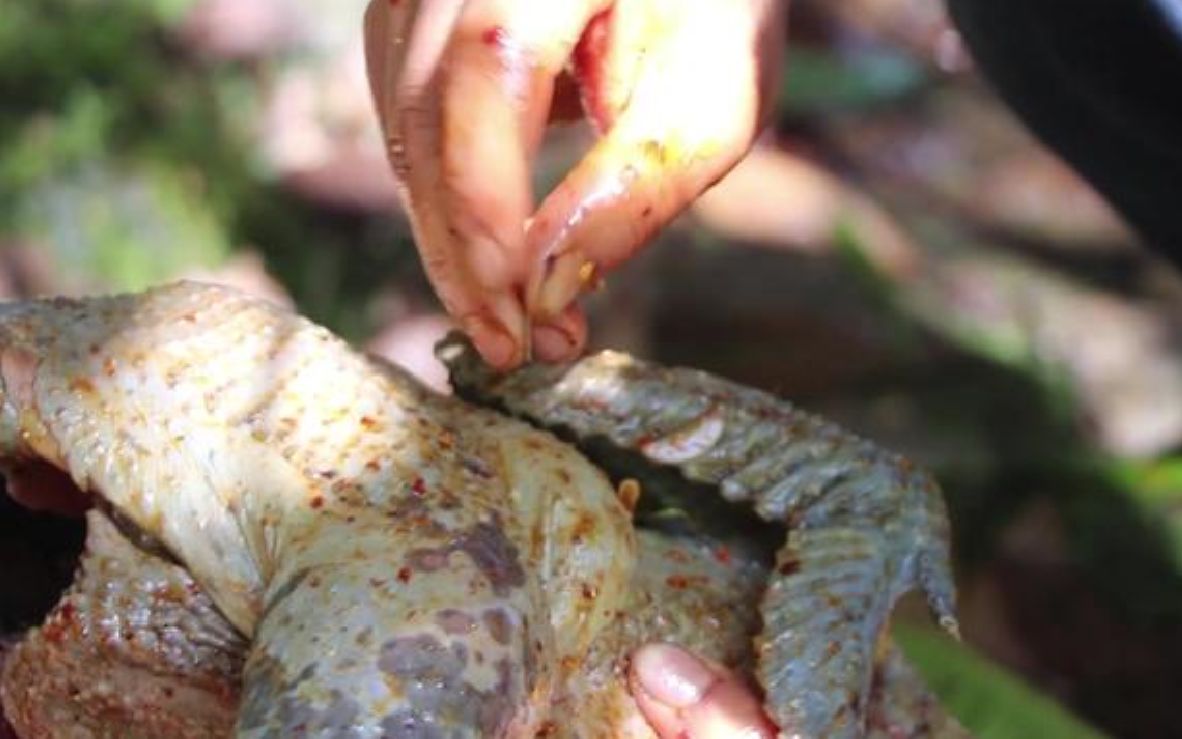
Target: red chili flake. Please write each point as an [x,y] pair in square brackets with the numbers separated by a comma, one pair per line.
[54,631]
[677,582]
[370,423]
[317,502]
[723,555]
[418,487]
[590,591]
[495,36]
[109,367]
[404,574]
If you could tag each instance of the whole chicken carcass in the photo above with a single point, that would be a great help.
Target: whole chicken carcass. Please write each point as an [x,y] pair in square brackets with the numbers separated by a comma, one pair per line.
[287,538]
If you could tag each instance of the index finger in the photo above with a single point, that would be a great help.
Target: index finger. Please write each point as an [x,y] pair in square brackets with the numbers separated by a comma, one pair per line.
[496,86]
[404,43]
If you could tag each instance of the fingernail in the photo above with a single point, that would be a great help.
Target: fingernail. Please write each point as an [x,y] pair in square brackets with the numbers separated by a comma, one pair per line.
[552,344]
[500,330]
[671,676]
[557,284]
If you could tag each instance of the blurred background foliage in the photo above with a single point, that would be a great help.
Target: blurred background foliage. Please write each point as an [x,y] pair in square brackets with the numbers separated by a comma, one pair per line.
[898,254]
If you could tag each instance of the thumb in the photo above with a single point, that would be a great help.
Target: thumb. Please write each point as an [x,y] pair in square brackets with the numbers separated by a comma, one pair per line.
[683,696]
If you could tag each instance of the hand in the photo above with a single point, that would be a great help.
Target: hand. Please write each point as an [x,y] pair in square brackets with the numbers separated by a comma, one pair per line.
[684,697]
[465,89]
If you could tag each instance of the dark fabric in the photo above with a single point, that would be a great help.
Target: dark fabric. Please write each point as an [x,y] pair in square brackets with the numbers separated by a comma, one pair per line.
[1100,82]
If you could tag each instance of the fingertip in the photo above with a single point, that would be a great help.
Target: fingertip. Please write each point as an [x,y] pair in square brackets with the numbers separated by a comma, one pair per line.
[665,720]
[562,339]
[495,347]
[682,695]
[671,676]
[551,344]
[491,330]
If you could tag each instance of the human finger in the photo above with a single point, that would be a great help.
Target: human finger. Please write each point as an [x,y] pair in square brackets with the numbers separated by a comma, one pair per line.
[683,696]
[405,43]
[497,80]
[682,92]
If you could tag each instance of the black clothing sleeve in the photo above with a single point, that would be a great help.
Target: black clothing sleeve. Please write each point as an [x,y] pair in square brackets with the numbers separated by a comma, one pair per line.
[1100,83]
